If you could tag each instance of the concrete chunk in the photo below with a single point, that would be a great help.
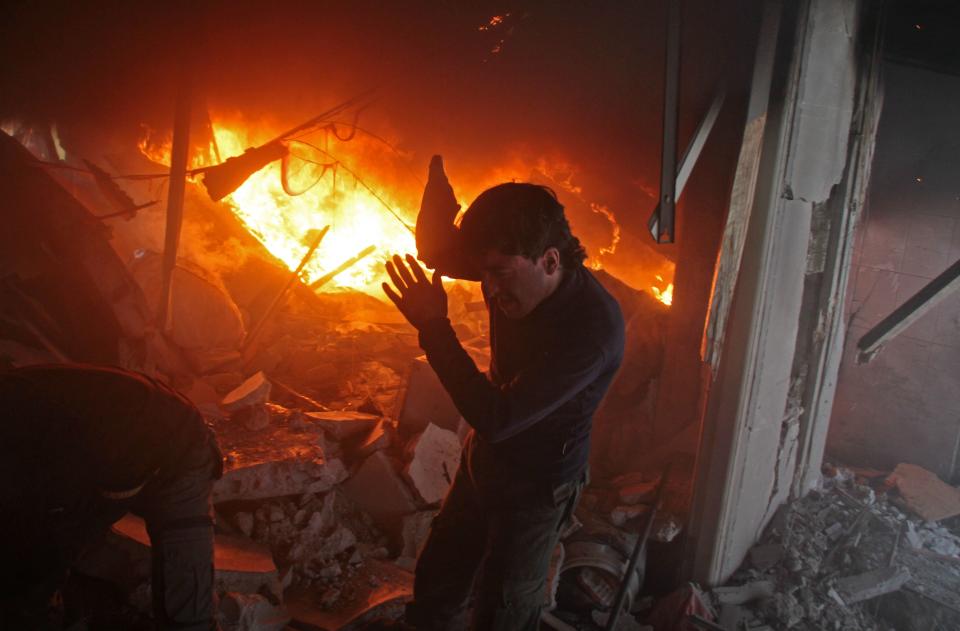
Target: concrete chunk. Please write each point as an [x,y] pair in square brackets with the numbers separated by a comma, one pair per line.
[344,423]
[253,391]
[434,459]
[251,612]
[380,437]
[742,594]
[426,401]
[379,490]
[860,587]
[765,556]
[273,462]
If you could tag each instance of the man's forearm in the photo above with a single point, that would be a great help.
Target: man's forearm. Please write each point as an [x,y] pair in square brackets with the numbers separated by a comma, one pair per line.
[498,412]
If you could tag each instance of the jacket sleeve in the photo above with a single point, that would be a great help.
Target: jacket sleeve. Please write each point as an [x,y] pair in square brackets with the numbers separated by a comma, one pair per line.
[499,412]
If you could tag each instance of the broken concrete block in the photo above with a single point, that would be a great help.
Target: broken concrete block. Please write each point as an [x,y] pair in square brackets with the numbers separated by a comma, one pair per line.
[380,437]
[342,424]
[860,587]
[253,391]
[318,547]
[426,401]
[273,463]
[250,612]
[742,594]
[379,490]
[202,314]
[765,556]
[924,493]
[253,418]
[434,459]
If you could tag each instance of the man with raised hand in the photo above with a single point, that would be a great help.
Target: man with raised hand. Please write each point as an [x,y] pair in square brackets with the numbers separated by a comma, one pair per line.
[556,341]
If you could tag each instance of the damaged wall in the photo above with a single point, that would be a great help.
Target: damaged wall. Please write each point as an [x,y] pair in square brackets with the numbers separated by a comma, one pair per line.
[903,406]
[749,444]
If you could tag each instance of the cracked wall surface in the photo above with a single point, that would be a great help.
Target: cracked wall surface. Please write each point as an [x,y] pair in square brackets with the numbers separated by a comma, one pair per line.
[904,406]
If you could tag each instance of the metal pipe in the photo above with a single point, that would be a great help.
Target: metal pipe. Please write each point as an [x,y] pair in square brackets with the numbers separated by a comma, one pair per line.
[326,278]
[635,555]
[294,276]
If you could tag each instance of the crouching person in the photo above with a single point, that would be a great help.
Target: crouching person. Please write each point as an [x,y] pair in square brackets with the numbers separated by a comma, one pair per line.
[82,445]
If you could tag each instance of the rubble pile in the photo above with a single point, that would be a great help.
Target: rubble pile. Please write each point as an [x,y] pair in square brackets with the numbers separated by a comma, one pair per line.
[855,554]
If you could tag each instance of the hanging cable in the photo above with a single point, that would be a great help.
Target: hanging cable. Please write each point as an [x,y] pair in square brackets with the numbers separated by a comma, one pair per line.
[358,180]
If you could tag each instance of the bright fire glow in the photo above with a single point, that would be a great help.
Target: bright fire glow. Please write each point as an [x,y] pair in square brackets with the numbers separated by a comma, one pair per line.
[286,224]
[664,295]
[356,218]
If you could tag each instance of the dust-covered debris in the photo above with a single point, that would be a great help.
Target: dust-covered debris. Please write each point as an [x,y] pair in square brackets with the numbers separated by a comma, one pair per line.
[847,557]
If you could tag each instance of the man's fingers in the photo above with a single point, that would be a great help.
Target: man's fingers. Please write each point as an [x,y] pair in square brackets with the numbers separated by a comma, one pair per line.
[392,295]
[395,277]
[417,270]
[437,279]
[402,270]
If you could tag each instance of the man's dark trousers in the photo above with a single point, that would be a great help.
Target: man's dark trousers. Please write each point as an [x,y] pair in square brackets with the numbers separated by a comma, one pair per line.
[507,537]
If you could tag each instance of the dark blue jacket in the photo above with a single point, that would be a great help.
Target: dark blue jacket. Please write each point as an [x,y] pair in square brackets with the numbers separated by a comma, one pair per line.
[549,371]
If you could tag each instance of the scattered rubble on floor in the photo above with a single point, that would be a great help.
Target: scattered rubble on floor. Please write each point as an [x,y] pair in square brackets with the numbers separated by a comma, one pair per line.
[847,557]
[251,612]
[923,493]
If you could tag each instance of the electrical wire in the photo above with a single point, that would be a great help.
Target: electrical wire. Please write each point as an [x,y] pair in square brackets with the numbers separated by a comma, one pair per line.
[358,179]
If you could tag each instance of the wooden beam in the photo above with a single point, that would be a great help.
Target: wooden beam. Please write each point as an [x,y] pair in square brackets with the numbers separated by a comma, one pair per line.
[179,153]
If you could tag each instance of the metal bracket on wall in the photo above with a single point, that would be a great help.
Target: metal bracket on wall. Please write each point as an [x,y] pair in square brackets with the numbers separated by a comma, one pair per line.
[672,180]
[908,313]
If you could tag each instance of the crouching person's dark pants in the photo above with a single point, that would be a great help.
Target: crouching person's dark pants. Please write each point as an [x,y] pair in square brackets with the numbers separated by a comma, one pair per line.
[179,517]
[508,539]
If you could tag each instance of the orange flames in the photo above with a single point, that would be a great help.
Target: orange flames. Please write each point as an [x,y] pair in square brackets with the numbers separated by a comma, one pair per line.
[380,211]
[357,217]
[664,295]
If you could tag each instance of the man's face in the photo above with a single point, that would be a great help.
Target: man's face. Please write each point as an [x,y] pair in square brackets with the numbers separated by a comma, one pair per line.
[515,284]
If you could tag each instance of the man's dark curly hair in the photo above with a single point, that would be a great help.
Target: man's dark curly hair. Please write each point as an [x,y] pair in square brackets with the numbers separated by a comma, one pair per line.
[520,219]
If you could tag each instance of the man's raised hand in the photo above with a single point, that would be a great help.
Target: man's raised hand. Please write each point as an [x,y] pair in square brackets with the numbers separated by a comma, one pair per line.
[419,299]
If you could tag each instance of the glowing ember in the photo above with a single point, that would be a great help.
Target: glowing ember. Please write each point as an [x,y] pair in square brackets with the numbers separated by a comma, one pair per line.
[664,295]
